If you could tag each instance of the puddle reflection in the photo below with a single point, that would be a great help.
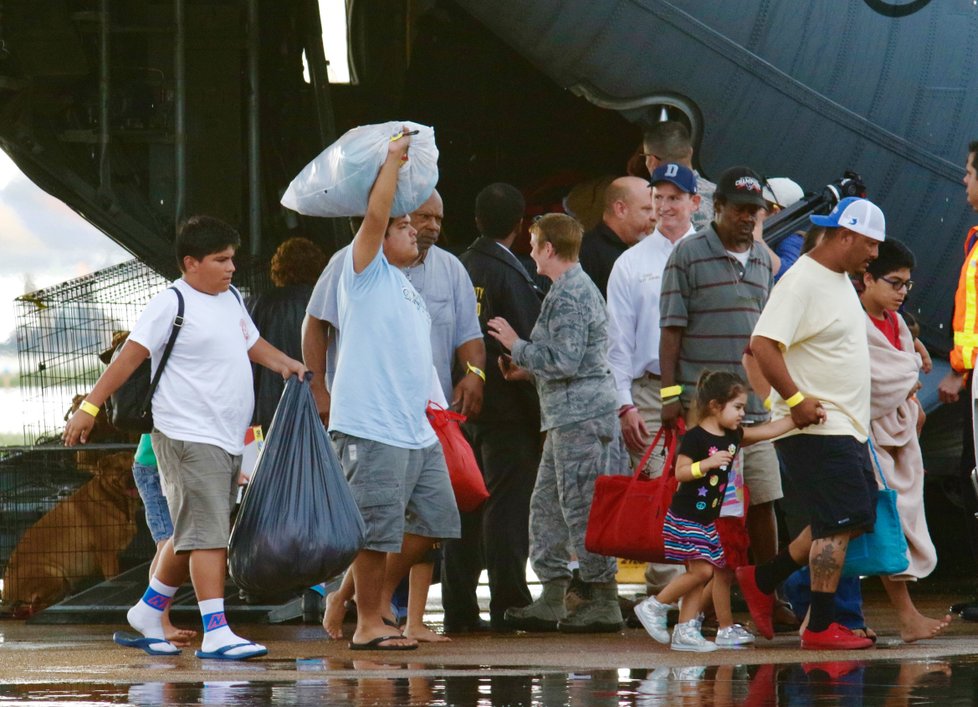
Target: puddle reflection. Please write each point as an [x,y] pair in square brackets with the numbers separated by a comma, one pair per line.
[835,682]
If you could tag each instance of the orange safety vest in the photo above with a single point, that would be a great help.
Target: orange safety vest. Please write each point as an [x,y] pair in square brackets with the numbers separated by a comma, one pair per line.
[966,308]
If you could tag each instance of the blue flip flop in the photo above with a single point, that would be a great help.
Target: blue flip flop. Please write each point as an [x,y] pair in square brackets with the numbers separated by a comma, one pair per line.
[135,640]
[221,653]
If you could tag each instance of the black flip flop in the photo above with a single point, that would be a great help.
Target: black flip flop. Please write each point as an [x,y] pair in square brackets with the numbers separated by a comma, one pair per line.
[374,645]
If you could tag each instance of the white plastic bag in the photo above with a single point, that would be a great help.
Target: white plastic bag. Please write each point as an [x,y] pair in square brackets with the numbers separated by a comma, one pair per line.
[338,181]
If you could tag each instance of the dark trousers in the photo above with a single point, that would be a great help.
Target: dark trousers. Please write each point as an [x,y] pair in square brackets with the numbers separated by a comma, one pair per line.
[497,535]
[968,498]
[797,588]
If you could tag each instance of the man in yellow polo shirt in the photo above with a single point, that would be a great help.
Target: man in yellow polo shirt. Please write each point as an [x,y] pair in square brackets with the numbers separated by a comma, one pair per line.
[811,328]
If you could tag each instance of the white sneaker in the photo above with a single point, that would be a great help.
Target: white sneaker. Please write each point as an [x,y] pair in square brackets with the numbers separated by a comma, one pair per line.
[656,683]
[652,614]
[690,673]
[733,636]
[686,637]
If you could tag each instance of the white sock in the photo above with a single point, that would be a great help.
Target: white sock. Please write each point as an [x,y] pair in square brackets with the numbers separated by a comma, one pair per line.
[146,616]
[217,633]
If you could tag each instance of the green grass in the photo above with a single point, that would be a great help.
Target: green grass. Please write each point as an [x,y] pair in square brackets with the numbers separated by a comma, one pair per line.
[11,439]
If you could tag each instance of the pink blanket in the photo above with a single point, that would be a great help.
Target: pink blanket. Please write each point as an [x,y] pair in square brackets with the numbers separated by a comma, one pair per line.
[894,435]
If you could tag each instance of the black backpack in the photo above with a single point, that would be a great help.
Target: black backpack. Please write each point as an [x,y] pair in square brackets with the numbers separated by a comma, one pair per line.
[130,407]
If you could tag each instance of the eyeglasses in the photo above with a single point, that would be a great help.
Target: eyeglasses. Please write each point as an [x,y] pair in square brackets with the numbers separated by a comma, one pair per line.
[649,154]
[898,284]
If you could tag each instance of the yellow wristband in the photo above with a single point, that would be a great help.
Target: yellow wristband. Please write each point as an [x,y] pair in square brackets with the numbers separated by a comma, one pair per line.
[795,399]
[696,471]
[86,406]
[767,403]
[671,391]
[478,371]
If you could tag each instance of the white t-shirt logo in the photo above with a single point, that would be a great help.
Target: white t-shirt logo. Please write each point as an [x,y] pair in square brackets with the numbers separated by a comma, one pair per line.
[244,328]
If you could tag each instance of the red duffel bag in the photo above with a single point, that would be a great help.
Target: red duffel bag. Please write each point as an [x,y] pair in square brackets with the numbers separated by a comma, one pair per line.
[467,482]
[627,513]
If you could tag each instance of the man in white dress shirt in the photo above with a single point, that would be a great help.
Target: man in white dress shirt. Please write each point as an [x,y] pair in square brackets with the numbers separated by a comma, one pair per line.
[633,307]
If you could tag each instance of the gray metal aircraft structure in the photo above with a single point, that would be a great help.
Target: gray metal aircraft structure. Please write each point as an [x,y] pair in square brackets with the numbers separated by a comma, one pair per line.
[800,89]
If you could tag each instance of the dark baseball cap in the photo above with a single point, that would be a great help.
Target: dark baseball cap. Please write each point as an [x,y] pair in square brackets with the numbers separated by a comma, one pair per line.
[674,173]
[741,185]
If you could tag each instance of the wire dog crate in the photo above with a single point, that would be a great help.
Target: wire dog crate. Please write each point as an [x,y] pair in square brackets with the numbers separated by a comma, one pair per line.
[68,520]
[62,329]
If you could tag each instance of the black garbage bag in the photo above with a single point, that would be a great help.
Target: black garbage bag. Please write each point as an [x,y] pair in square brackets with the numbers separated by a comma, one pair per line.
[298,524]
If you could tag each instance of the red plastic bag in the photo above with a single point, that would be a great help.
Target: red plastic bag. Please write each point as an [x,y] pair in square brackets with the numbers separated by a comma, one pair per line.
[627,513]
[467,482]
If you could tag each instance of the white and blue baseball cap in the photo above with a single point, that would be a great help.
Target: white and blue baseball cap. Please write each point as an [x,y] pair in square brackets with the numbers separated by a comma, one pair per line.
[680,176]
[858,215]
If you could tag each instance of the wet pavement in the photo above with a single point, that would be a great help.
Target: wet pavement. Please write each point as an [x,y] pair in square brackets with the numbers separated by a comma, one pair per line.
[369,683]
[79,665]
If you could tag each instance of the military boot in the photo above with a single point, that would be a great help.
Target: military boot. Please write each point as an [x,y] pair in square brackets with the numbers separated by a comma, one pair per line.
[599,614]
[544,613]
[578,592]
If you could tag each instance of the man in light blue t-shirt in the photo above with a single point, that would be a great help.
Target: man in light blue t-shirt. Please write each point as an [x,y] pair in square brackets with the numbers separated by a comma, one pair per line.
[384,378]
[456,338]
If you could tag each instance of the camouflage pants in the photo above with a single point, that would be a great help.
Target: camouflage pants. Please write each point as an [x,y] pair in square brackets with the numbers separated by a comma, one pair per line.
[573,457]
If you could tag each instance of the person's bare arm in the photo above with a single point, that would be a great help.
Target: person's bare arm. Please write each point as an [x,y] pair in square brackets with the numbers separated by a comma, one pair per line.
[511,372]
[684,465]
[264,354]
[118,372]
[317,335]
[370,236]
[756,380]
[670,339]
[950,387]
[769,358]
[926,363]
[468,392]
[633,429]
[768,430]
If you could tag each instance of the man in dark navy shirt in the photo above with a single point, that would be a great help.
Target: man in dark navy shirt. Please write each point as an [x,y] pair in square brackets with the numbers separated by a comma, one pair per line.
[629,215]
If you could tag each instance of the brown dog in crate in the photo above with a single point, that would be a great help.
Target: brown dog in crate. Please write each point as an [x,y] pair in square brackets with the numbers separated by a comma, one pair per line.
[77,540]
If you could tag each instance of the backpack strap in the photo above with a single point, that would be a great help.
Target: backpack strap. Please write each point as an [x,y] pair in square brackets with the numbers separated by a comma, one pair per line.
[174,331]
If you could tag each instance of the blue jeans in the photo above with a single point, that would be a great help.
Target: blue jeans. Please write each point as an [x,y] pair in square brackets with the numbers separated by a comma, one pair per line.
[147,480]
[797,590]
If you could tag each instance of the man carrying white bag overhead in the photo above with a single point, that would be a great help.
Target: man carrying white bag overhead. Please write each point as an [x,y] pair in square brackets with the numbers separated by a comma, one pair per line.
[389,452]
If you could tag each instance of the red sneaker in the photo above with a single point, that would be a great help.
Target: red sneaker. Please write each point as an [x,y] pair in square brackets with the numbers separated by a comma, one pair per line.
[761,605]
[835,638]
[834,670]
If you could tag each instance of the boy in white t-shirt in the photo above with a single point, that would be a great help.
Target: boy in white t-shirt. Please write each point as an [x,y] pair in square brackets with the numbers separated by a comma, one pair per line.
[200,411]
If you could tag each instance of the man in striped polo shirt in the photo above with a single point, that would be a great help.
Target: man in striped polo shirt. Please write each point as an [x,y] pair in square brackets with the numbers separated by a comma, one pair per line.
[713,290]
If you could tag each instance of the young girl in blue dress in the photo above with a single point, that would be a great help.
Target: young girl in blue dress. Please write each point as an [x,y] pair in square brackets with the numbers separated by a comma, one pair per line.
[706,453]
